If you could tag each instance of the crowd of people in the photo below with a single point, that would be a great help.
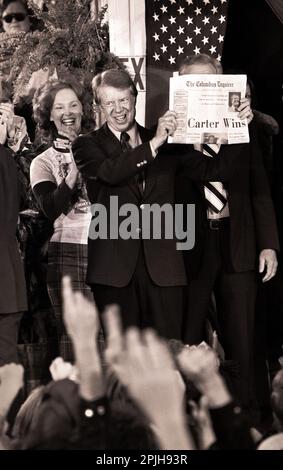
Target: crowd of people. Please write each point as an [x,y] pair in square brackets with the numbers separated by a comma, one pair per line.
[177,366]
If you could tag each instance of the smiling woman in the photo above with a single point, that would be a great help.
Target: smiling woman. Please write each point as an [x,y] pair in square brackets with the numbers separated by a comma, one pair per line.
[62,110]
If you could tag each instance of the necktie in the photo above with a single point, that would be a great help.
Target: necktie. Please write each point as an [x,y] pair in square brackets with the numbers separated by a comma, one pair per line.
[215,194]
[140,177]
[124,141]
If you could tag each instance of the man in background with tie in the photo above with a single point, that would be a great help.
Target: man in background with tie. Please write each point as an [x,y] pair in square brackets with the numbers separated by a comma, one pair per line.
[124,162]
[236,237]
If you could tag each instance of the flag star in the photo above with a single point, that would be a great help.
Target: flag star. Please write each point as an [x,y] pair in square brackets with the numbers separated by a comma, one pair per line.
[189,40]
[180,30]
[213,29]
[220,38]
[219,58]
[172,60]
[189,20]
[163,9]
[204,40]
[156,37]
[189,2]
[155,17]
[181,10]
[214,9]
[205,20]
[172,40]
[196,50]
[197,30]
[198,11]
[180,50]
[164,28]
[212,49]
[163,48]
[172,19]
[206,1]
[223,1]
[156,57]
[172,2]
[222,19]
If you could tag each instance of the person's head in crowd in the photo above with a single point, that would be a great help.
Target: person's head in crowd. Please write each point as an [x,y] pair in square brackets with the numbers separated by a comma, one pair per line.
[64,107]
[277,397]
[120,429]
[15,16]
[28,414]
[115,93]
[200,64]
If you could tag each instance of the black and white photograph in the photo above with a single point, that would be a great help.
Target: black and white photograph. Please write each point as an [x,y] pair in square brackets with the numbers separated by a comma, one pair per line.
[234,101]
[141,300]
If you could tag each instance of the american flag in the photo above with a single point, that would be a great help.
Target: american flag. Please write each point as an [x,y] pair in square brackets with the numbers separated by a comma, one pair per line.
[176,29]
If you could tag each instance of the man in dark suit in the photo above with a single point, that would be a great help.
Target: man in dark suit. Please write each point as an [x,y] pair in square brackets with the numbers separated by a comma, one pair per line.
[126,164]
[236,236]
[13,299]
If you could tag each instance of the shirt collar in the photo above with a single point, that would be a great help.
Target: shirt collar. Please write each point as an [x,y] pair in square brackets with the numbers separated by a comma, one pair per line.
[133,133]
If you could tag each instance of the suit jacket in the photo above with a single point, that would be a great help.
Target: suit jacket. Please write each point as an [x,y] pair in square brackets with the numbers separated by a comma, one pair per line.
[252,218]
[12,280]
[110,172]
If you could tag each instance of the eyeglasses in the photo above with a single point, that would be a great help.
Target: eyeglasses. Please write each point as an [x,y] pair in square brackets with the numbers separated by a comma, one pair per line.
[16,16]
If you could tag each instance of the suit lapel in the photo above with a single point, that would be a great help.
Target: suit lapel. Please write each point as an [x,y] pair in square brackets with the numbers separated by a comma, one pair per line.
[112,147]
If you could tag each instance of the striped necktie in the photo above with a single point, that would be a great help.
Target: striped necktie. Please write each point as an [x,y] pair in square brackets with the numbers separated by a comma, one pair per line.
[215,194]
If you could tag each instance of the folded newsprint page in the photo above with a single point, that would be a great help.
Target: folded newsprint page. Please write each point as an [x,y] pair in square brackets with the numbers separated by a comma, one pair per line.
[207,109]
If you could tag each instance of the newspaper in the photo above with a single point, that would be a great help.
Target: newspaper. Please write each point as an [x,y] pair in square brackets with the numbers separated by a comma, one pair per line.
[207,109]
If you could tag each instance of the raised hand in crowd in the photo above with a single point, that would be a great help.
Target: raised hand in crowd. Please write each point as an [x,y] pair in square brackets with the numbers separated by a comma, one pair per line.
[201,366]
[202,421]
[144,365]
[82,324]
[156,386]
[60,370]
[11,381]
[230,425]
